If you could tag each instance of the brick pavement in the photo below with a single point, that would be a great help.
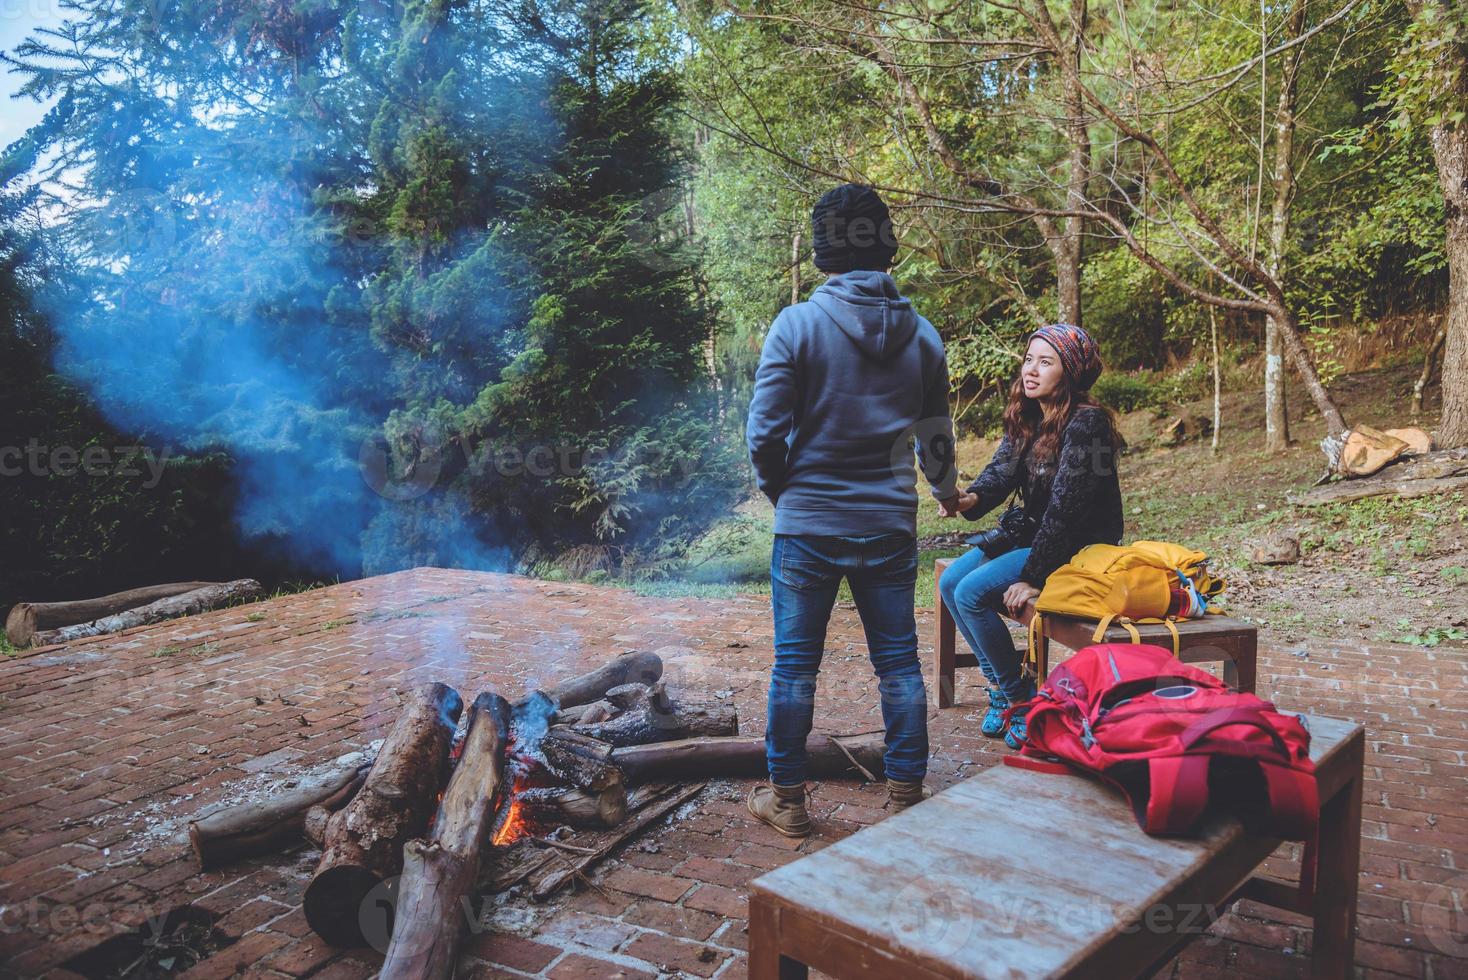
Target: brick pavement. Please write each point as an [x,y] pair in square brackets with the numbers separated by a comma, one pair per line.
[108,746]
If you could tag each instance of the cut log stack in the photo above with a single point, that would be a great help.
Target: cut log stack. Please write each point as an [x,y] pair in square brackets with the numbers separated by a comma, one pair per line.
[414,822]
[42,623]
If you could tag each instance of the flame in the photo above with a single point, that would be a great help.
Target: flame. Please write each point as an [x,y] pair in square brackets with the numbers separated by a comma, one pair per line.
[513,827]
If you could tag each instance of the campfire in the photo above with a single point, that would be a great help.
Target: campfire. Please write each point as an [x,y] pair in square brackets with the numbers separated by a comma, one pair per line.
[455,796]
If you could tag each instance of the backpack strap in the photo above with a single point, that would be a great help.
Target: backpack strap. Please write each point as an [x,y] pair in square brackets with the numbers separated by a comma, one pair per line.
[1177,643]
[1294,802]
[1179,792]
[1105,624]
[1204,726]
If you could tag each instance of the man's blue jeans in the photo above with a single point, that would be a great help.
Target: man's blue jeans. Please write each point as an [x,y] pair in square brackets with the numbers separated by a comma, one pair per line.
[973,590]
[805,573]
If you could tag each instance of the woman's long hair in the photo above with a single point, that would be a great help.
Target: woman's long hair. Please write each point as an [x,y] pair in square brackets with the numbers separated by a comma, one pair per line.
[1038,426]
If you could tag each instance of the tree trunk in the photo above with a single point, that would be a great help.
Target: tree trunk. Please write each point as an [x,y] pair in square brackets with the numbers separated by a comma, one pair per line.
[1429,361]
[1299,355]
[1068,249]
[740,758]
[364,842]
[430,916]
[26,618]
[795,268]
[186,604]
[263,826]
[1450,148]
[1276,410]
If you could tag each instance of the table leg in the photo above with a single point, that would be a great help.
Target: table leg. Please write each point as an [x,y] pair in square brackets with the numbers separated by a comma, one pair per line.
[945,643]
[1338,877]
[765,959]
[1244,666]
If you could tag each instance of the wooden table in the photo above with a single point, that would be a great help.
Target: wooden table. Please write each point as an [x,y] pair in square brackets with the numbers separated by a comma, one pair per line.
[1210,639]
[1024,874]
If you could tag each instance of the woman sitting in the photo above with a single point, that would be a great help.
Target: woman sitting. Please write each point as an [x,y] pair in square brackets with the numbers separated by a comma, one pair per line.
[1058,453]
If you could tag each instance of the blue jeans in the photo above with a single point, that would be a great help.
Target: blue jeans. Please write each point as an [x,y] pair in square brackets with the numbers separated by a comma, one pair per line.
[973,590]
[805,572]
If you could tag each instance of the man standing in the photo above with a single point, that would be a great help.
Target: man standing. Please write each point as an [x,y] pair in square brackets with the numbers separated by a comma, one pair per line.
[847,382]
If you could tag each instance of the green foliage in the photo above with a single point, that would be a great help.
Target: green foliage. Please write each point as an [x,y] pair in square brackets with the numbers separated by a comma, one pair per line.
[1124,392]
[1427,637]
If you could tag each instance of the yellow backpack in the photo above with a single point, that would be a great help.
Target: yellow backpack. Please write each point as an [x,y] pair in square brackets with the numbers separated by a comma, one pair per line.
[1127,584]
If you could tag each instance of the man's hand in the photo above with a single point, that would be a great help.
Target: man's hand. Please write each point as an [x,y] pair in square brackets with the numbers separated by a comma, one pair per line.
[1016,597]
[957,504]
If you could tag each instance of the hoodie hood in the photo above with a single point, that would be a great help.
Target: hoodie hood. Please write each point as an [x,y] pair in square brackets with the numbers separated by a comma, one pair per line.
[867,307]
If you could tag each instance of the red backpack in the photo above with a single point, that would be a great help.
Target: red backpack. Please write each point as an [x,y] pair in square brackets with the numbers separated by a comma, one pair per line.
[1177,741]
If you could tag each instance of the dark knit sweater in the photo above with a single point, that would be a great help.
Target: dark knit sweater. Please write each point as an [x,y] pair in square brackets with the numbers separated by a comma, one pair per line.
[1077,498]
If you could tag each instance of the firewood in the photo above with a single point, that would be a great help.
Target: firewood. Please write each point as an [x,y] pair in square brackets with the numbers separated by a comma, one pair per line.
[429,919]
[363,842]
[585,713]
[262,826]
[578,759]
[736,758]
[522,860]
[185,604]
[313,825]
[26,618]
[553,880]
[576,807]
[639,667]
[650,714]
[1436,472]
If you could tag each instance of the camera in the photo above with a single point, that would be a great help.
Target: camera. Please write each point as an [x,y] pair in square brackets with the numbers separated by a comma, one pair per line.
[1016,530]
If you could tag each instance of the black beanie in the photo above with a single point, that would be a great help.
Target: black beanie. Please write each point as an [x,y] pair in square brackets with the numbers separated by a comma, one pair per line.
[851,229]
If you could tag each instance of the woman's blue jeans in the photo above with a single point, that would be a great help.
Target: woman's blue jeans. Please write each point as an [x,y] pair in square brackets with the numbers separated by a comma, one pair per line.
[805,573]
[973,590]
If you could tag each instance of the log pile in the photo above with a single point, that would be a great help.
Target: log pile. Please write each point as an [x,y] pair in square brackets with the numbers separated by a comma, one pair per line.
[41,624]
[443,809]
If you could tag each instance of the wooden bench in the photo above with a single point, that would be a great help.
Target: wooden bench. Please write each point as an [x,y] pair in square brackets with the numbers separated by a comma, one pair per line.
[1014,873]
[1211,639]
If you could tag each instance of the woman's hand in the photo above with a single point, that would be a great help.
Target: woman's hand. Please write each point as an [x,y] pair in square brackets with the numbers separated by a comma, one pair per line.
[1016,597]
[957,504]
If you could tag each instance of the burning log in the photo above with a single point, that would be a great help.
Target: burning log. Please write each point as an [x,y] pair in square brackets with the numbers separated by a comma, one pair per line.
[640,667]
[363,842]
[650,714]
[27,618]
[552,881]
[261,826]
[735,758]
[578,759]
[185,604]
[429,919]
[555,805]
[585,714]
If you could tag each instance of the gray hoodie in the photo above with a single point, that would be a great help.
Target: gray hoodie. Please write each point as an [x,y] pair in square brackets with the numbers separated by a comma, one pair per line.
[848,385]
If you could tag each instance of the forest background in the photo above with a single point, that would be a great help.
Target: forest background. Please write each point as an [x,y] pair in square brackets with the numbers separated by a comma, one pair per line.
[316,289]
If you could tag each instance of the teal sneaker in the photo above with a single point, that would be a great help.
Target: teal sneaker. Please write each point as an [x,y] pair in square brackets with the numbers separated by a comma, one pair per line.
[1017,732]
[993,725]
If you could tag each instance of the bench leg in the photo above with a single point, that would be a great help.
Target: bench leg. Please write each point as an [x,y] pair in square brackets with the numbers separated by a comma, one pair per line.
[1241,670]
[765,960]
[945,644]
[1338,878]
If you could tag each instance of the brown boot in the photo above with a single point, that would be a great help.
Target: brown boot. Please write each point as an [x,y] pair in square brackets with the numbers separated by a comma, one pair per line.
[782,807]
[901,795]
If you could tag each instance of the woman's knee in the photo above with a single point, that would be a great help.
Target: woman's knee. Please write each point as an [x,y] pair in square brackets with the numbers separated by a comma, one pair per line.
[978,591]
